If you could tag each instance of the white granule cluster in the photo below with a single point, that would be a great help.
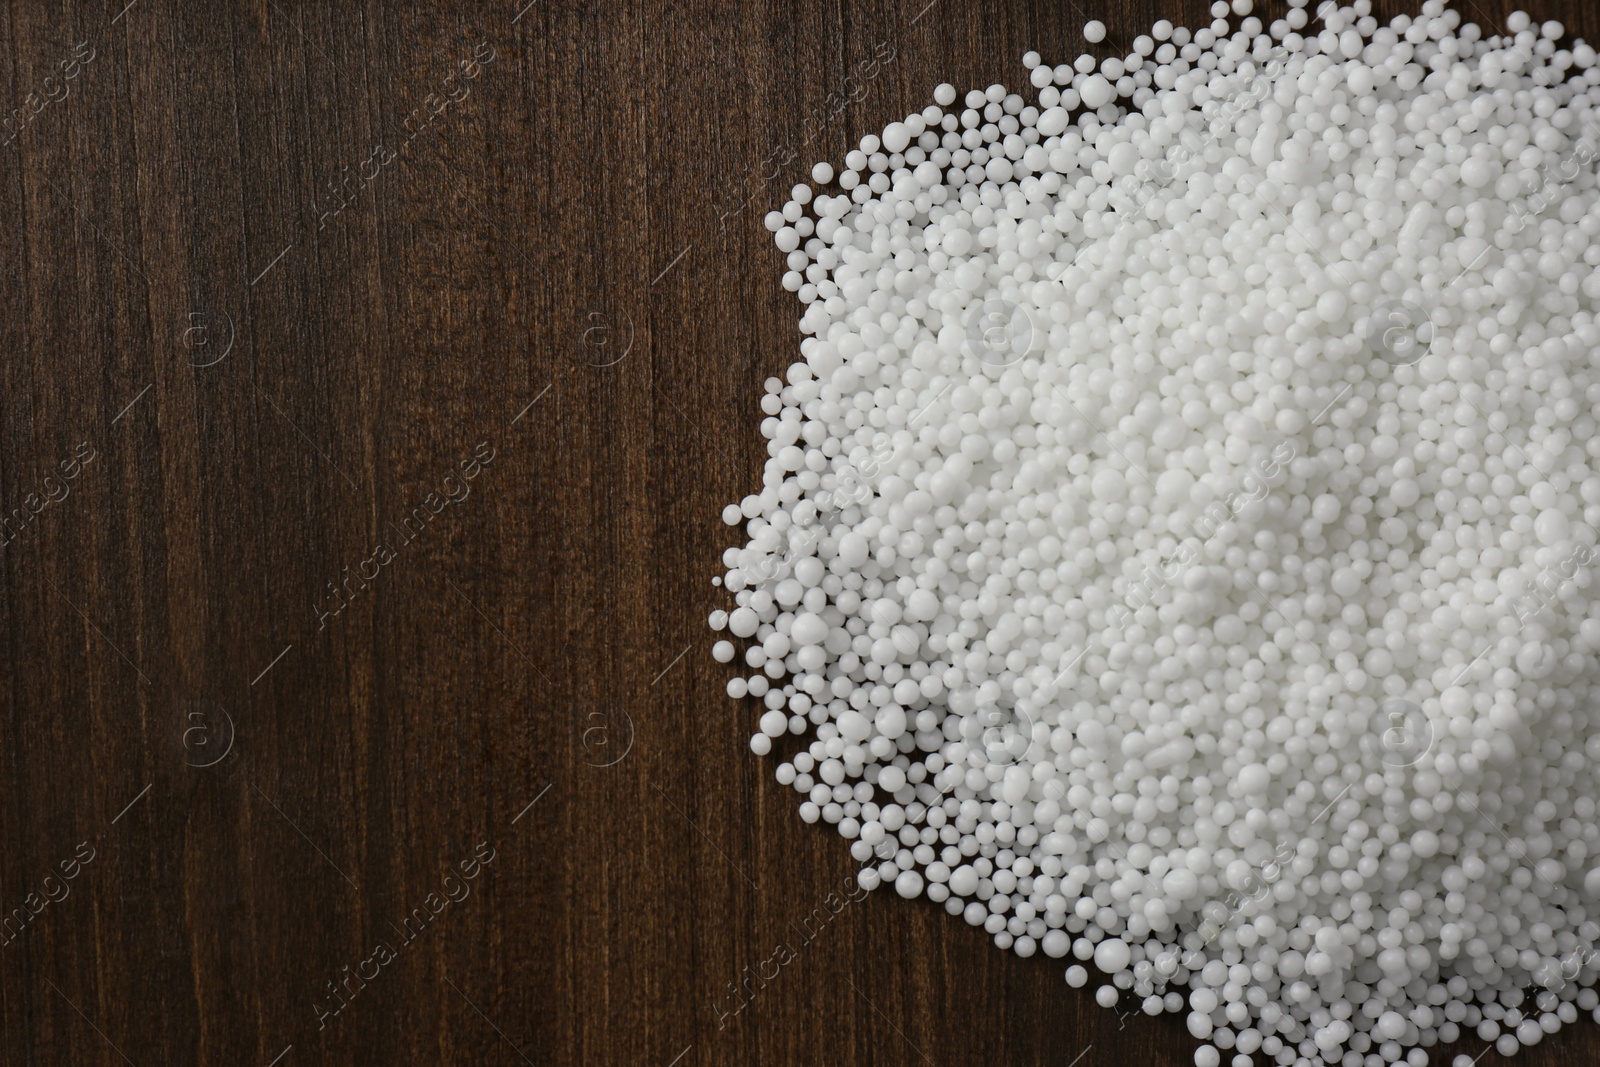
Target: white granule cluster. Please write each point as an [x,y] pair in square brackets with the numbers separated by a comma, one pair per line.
[1176,536]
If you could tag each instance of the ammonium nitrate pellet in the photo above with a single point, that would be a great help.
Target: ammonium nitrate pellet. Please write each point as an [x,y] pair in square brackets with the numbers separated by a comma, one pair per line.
[1178,533]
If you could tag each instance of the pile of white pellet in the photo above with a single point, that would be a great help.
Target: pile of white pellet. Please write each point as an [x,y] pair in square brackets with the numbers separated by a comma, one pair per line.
[1176,539]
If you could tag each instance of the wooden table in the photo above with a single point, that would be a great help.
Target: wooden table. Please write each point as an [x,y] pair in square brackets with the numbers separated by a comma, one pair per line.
[359,699]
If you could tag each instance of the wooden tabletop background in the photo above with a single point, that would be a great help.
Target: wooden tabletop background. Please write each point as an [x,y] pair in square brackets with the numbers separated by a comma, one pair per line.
[372,377]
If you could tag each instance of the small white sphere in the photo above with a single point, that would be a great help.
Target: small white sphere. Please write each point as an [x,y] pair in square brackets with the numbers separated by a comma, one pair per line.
[1112,955]
[1096,91]
[809,629]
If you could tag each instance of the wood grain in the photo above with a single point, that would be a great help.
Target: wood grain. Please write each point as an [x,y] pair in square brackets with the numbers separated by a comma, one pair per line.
[370,638]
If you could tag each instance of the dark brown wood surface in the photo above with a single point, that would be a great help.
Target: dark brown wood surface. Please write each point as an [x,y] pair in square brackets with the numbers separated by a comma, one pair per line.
[402,358]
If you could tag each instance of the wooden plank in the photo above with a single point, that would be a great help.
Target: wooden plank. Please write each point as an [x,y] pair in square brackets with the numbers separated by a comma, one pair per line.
[405,356]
